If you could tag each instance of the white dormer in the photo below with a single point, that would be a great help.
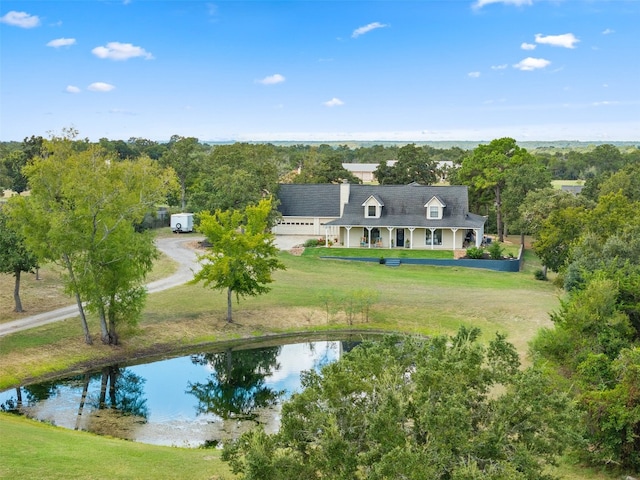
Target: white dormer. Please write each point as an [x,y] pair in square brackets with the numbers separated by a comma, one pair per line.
[435,208]
[373,207]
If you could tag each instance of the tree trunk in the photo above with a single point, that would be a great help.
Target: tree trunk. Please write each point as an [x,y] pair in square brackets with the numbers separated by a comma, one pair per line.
[83,318]
[229,301]
[522,237]
[16,292]
[499,215]
[183,188]
[104,330]
[113,336]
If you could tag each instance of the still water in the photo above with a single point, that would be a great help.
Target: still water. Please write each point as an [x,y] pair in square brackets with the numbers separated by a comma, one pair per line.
[198,399]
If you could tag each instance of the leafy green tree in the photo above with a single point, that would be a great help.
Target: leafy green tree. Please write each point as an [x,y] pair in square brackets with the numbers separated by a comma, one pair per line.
[519,182]
[327,169]
[557,235]
[242,255]
[81,213]
[15,258]
[184,156]
[487,170]
[440,408]
[414,164]
[235,176]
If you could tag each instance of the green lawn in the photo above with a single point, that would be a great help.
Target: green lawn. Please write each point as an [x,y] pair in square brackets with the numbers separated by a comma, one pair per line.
[375,252]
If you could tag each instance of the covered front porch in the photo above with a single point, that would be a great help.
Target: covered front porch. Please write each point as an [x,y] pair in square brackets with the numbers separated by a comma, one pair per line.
[448,238]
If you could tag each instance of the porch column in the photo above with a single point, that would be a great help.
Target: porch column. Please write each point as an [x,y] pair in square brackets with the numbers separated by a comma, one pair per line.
[411,229]
[391,229]
[348,235]
[326,236]
[479,235]
[454,230]
[369,237]
[433,231]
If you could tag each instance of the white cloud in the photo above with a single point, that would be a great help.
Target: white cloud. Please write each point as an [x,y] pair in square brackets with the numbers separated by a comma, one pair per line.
[272,79]
[120,51]
[72,89]
[473,74]
[517,3]
[528,46]
[499,67]
[20,19]
[367,28]
[567,40]
[608,31]
[61,42]
[100,87]
[334,102]
[531,63]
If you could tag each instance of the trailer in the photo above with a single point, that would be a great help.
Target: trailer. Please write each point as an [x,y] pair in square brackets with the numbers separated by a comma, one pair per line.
[182,222]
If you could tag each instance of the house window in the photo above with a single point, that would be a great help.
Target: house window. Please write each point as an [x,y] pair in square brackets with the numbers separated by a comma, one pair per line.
[434,211]
[371,211]
[435,235]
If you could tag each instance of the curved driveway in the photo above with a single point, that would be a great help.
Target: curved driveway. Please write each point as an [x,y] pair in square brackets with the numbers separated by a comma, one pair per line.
[177,248]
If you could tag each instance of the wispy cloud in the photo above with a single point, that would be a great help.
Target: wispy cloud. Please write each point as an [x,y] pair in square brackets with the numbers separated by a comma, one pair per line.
[608,31]
[567,40]
[499,67]
[72,89]
[473,74]
[517,3]
[100,87]
[531,63]
[272,79]
[367,28]
[121,51]
[61,42]
[334,102]
[528,46]
[20,19]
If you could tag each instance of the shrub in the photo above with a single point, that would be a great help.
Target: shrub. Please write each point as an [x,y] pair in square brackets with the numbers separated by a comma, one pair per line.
[475,252]
[312,242]
[539,274]
[495,251]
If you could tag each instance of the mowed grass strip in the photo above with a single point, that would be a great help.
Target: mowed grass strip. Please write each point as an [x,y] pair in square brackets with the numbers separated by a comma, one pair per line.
[37,450]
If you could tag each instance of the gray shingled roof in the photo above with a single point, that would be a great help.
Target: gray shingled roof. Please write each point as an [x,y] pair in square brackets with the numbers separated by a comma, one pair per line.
[309,200]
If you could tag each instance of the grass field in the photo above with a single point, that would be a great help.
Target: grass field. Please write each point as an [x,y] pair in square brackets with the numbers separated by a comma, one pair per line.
[415,299]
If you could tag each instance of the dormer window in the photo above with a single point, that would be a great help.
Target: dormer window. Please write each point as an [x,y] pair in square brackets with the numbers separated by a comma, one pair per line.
[373,207]
[435,208]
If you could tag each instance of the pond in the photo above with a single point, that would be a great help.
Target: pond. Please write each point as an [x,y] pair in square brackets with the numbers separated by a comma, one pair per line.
[205,398]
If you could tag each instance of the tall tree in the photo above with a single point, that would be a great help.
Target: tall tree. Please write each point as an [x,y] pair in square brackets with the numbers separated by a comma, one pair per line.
[15,258]
[81,213]
[414,164]
[519,181]
[487,168]
[242,256]
[184,156]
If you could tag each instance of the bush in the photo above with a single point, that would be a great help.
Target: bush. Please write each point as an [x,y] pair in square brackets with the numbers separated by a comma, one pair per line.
[475,252]
[539,274]
[495,251]
[312,242]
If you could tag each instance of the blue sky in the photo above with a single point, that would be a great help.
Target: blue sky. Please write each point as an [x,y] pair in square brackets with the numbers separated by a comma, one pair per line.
[321,70]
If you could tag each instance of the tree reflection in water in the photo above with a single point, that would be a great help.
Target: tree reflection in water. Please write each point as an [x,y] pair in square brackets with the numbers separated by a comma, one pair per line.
[236,387]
